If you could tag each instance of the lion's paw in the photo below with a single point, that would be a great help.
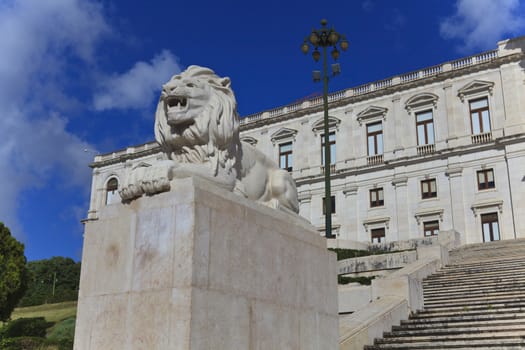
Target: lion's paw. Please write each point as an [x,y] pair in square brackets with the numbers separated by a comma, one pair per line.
[147,179]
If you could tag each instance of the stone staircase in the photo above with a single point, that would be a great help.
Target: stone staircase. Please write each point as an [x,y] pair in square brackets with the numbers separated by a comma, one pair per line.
[476,302]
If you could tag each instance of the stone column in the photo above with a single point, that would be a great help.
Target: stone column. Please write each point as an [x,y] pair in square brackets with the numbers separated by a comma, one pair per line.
[456,200]
[351,222]
[450,102]
[403,227]
[397,120]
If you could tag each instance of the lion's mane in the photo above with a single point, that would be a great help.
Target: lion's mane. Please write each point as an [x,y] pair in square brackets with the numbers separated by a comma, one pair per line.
[214,136]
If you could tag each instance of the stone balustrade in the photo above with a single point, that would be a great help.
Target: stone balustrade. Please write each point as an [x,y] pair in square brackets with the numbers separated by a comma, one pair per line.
[377,85]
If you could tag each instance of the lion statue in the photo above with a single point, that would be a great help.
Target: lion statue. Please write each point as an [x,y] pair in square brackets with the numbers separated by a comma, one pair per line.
[197,128]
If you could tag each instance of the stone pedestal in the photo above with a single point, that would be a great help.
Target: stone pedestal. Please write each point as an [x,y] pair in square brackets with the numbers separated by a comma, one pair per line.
[201,268]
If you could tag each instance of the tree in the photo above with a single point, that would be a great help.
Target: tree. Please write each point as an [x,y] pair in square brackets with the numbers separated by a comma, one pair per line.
[13,272]
[52,280]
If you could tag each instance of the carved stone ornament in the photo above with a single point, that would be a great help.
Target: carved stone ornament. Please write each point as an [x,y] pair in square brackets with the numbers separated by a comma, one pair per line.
[475,87]
[435,213]
[371,113]
[197,128]
[421,100]
[383,221]
[283,134]
[333,124]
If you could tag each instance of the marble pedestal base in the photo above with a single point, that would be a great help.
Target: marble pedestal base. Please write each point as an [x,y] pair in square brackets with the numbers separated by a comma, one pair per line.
[202,268]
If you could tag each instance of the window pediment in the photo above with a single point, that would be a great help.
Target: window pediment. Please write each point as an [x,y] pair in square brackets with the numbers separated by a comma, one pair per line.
[382,220]
[421,100]
[283,134]
[371,113]
[487,204]
[475,87]
[333,123]
[250,140]
[429,213]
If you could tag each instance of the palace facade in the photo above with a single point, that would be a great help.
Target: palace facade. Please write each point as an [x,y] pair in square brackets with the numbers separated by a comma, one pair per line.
[441,148]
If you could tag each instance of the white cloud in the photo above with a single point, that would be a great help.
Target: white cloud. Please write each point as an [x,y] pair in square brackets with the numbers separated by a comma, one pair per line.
[479,24]
[38,38]
[136,88]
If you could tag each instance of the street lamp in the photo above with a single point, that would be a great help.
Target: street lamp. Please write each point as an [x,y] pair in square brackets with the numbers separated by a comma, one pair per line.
[324,38]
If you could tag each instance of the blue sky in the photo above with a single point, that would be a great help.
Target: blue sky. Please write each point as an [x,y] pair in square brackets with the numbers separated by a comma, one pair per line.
[80,75]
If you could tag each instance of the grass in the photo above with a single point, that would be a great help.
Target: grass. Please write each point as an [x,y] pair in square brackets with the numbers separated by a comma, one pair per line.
[51,312]
[59,336]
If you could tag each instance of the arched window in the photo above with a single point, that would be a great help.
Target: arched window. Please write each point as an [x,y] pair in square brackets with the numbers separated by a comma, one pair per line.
[112,195]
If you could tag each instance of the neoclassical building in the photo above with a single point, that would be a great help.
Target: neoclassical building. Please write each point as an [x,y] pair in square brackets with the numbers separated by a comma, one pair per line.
[441,148]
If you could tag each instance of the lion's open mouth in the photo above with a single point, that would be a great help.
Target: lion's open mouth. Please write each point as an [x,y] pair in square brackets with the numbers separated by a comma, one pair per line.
[176,102]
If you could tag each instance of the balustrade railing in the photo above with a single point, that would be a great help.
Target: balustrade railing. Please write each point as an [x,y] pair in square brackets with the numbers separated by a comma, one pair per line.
[482,138]
[332,169]
[373,160]
[426,149]
[378,85]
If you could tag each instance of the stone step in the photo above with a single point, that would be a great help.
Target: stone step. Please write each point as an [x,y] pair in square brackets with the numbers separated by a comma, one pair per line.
[456,330]
[517,282]
[520,271]
[495,271]
[492,293]
[494,251]
[497,344]
[490,246]
[492,270]
[429,324]
[481,290]
[481,300]
[476,302]
[476,258]
[488,249]
[504,335]
[498,315]
[476,307]
[470,282]
[464,259]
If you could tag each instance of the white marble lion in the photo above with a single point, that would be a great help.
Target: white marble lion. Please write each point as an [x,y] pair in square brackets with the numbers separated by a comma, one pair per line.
[197,127]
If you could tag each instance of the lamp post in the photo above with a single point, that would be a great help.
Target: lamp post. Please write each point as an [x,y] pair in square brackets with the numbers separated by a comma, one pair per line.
[324,38]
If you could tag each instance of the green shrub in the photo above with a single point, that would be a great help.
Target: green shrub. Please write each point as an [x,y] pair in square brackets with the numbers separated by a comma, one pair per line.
[63,333]
[25,327]
[64,343]
[22,343]
[349,253]
[355,253]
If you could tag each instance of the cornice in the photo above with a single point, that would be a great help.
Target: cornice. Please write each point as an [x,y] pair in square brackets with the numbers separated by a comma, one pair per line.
[436,78]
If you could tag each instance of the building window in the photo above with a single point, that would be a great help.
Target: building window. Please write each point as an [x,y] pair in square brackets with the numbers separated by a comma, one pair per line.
[425,128]
[428,189]
[112,195]
[486,179]
[331,142]
[374,135]
[286,156]
[376,197]
[378,235]
[479,115]
[490,227]
[332,204]
[431,228]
